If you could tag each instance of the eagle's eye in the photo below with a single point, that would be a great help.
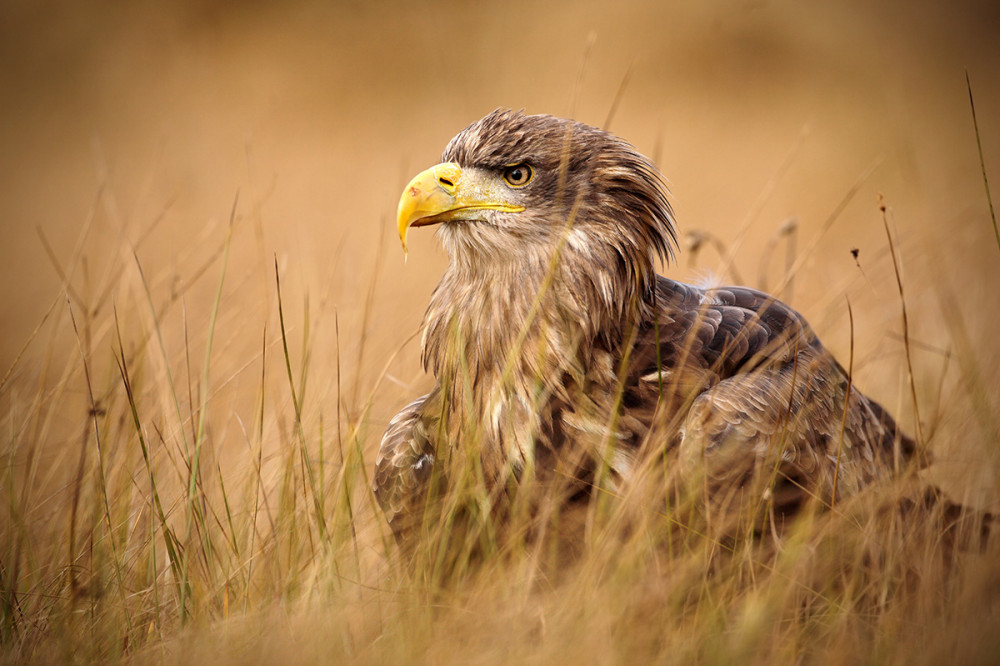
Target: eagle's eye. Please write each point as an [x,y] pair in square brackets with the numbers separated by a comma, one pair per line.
[518,175]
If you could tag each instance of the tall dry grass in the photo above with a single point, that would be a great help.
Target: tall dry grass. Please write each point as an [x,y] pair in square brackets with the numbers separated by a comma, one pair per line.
[171,495]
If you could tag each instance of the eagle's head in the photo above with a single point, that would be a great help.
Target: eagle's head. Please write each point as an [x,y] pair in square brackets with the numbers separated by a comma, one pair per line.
[553,228]
[512,186]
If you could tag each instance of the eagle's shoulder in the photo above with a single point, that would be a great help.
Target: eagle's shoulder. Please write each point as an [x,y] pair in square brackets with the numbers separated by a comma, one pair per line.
[718,332]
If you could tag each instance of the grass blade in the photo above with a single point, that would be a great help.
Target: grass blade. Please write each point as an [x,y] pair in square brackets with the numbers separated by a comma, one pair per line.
[982,161]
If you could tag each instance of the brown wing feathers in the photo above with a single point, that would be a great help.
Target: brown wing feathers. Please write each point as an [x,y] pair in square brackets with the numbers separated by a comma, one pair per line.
[771,392]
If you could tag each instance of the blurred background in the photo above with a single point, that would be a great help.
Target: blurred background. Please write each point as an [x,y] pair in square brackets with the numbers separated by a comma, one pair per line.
[131,134]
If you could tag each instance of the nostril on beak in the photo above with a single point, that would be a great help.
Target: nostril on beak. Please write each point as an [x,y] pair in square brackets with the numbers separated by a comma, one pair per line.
[447,177]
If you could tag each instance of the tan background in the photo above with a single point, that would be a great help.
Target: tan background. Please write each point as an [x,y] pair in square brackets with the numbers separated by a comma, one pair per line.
[133,126]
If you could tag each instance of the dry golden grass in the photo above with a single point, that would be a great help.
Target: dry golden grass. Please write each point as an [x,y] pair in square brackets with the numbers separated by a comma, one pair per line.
[211,510]
[186,455]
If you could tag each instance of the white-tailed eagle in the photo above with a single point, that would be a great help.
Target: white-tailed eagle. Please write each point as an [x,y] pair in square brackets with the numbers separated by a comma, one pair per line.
[557,349]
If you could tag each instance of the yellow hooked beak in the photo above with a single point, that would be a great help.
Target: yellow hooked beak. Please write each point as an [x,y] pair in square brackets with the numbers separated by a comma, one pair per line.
[444,192]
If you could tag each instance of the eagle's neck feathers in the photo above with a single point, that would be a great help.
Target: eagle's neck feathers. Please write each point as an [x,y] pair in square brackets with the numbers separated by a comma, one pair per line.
[575,296]
[507,344]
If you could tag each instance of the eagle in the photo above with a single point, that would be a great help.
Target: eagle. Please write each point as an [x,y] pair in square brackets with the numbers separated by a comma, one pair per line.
[558,352]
